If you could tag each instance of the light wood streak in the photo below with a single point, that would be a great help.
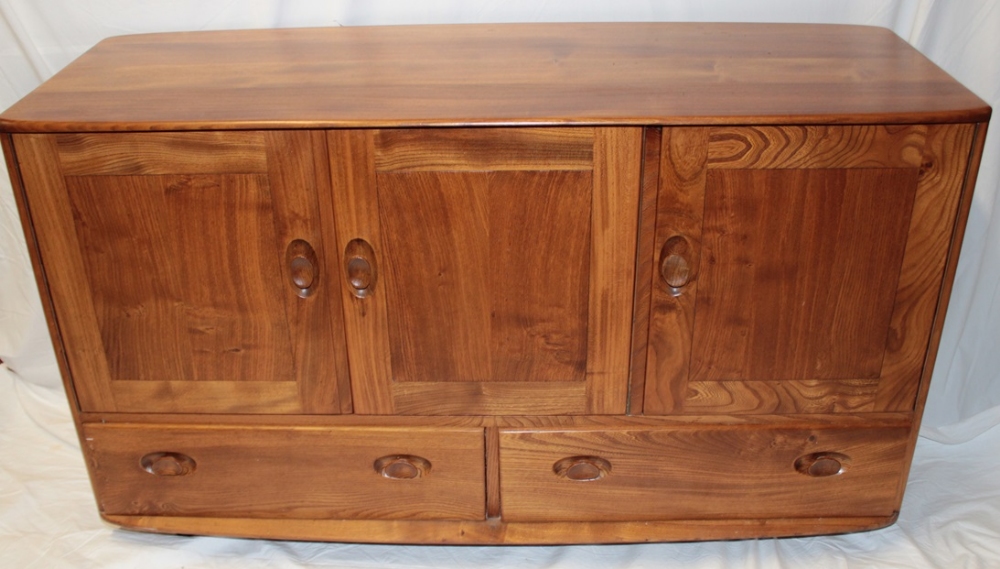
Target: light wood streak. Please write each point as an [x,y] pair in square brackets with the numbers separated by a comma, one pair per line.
[816,147]
[494,149]
[162,153]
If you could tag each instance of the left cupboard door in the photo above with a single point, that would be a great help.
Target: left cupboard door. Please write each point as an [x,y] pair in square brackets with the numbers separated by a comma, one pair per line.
[188,271]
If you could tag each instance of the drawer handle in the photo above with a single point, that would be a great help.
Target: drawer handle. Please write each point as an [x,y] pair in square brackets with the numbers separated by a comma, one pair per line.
[675,268]
[168,464]
[402,466]
[822,464]
[582,468]
[359,264]
[302,267]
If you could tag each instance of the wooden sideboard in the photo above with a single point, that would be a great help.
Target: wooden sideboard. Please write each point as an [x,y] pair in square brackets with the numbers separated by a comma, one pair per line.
[535,283]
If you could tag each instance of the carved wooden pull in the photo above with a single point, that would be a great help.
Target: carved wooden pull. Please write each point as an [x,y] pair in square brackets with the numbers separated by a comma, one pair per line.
[167,464]
[821,464]
[582,468]
[675,267]
[402,466]
[302,267]
[359,264]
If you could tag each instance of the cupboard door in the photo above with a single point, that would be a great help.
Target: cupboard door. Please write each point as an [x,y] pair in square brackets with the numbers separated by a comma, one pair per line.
[798,269]
[188,270]
[487,271]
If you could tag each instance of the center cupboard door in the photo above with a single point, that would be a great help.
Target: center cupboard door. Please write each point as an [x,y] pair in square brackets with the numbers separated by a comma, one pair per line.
[799,268]
[187,270]
[487,270]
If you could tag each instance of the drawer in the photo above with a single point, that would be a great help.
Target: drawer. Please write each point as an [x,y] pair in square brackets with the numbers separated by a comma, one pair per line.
[288,472]
[700,472]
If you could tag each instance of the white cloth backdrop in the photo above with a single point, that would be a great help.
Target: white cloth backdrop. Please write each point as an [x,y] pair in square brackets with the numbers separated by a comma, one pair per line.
[951,517]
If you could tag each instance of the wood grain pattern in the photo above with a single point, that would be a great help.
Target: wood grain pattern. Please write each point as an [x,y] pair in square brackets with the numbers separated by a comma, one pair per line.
[490,398]
[355,201]
[320,360]
[330,265]
[494,149]
[964,207]
[816,147]
[212,396]
[164,316]
[898,298]
[323,473]
[181,277]
[149,154]
[59,250]
[41,281]
[801,287]
[498,532]
[935,209]
[754,467]
[613,74]
[502,277]
[613,225]
[554,421]
[492,472]
[679,212]
[801,396]
[488,274]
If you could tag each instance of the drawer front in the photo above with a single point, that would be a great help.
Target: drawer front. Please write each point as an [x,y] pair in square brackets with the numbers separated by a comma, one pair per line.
[288,472]
[698,473]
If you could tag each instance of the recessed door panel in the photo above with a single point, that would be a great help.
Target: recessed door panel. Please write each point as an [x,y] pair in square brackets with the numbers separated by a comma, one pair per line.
[798,268]
[503,263]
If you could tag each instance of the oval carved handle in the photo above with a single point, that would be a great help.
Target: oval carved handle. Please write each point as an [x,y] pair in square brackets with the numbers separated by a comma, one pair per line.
[359,264]
[675,266]
[303,267]
[582,468]
[822,464]
[167,464]
[402,466]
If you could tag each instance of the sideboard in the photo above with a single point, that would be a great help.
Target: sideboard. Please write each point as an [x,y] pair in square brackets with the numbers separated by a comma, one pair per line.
[524,283]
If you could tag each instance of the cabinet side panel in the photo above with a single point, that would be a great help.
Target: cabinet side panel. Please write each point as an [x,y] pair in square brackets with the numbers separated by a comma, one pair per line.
[935,209]
[45,194]
[38,268]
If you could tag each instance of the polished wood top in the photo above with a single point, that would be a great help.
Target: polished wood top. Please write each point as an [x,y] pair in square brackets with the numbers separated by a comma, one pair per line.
[509,74]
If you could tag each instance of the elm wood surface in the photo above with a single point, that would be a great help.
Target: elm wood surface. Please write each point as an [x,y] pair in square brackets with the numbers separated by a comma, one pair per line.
[168,272]
[499,532]
[723,472]
[312,192]
[815,273]
[505,271]
[619,73]
[786,421]
[290,472]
